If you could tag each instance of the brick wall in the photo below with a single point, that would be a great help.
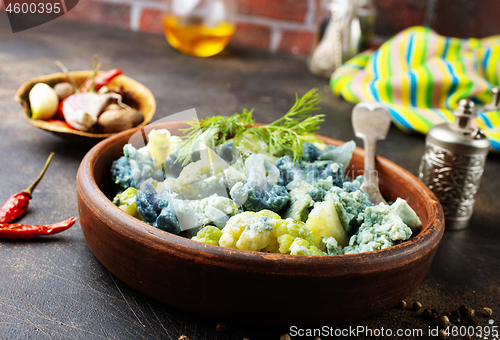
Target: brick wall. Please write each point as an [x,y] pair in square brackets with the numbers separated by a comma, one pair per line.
[289,25]
[275,25]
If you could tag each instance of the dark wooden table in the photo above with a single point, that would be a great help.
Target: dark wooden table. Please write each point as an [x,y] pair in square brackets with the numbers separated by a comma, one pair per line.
[54,288]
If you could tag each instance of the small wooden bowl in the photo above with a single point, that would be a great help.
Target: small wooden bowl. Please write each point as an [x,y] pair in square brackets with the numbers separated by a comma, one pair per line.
[142,95]
[245,286]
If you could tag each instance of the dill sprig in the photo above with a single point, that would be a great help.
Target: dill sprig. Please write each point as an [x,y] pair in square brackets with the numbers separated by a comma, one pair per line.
[284,135]
[226,128]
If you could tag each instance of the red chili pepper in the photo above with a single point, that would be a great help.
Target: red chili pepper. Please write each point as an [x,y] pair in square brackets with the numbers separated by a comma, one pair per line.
[61,123]
[59,114]
[101,80]
[18,230]
[17,204]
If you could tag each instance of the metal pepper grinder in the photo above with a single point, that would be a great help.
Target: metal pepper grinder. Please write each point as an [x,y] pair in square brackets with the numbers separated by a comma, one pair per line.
[453,164]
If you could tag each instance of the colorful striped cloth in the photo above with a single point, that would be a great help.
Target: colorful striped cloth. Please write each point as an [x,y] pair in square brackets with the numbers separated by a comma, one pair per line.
[421,76]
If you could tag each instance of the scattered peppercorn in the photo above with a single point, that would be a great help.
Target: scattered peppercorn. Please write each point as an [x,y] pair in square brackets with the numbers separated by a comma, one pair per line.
[426,314]
[416,306]
[455,318]
[402,304]
[220,327]
[183,337]
[467,337]
[285,337]
[466,311]
[442,334]
[444,322]
[487,312]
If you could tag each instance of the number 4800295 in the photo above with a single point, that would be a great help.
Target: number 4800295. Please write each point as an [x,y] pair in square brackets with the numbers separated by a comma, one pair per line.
[41,8]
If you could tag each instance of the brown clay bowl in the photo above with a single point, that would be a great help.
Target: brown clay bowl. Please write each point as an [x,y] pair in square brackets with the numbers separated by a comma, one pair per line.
[237,285]
[142,96]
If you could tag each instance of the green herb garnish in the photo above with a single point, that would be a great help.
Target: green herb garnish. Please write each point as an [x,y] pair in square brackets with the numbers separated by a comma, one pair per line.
[284,135]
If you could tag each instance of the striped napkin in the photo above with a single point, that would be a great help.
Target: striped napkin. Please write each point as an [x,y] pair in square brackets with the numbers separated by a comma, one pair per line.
[421,76]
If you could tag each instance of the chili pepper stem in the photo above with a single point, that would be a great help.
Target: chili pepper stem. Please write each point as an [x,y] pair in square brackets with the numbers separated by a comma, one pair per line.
[30,189]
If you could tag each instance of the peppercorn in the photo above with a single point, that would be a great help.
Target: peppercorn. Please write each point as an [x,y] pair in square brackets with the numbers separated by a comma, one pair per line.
[466,311]
[220,327]
[434,317]
[183,337]
[416,306]
[402,304]
[442,334]
[455,318]
[487,312]
[467,337]
[444,321]
[426,314]
[285,337]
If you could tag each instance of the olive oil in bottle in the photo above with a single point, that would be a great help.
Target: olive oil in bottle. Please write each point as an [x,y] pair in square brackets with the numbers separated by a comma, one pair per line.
[192,36]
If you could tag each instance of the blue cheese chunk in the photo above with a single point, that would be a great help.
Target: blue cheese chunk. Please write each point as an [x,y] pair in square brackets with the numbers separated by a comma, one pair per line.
[332,246]
[213,210]
[202,179]
[407,214]
[381,228]
[349,206]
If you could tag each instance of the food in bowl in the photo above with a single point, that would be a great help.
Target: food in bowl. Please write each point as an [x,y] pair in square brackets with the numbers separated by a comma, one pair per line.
[88,107]
[225,183]
[135,94]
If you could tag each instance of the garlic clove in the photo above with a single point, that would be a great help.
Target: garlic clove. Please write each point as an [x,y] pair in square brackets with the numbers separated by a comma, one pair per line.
[81,110]
[43,101]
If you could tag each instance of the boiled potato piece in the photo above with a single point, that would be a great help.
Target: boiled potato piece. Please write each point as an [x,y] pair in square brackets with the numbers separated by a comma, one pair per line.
[159,145]
[324,221]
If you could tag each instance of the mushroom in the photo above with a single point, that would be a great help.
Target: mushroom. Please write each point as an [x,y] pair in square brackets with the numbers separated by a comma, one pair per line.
[64,90]
[117,118]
